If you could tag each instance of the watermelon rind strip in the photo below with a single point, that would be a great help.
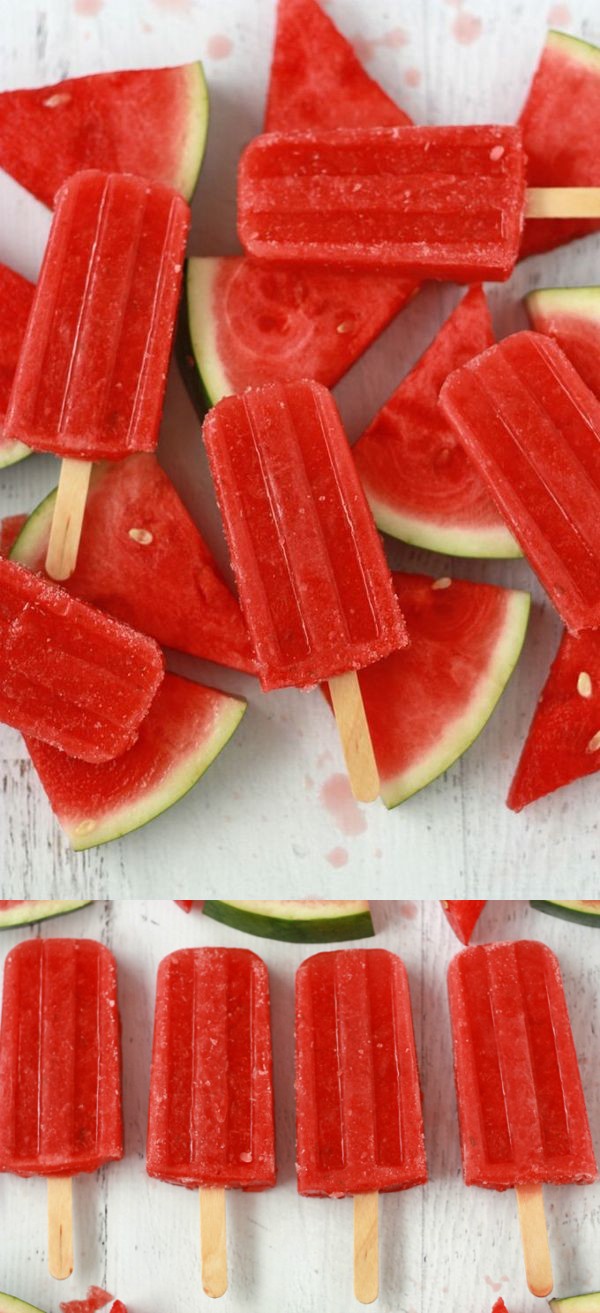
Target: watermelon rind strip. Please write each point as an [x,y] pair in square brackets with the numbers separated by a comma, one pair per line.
[200,278]
[10,1304]
[316,926]
[568,911]
[574,48]
[197,131]
[583,302]
[494,543]
[38,910]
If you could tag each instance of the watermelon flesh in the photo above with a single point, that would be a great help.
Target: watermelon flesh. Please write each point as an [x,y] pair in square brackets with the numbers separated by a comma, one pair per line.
[571,315]
[563,743]
[463,915]
[95,1299]
[185,903]
[186,728]
[16,295]
[151,122]
[316,79]
[10,528]
[249,324]
[26,911]
[419,481]
[142,560]
[561,124]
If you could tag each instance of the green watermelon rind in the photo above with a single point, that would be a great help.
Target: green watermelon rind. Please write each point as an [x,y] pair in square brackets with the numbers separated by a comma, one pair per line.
[466,728]
[35,530]
[190,164]
[574,48]
[497,543]
[295,921]
[10,455]
[10,1304]
[577,1303]
[568,910]
[580,302]
[180,779]
[200,276]
[39,910]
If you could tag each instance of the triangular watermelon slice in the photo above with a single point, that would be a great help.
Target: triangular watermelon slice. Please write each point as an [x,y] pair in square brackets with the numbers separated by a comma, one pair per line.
[572,316]
[16,295]
[561,124]
[463,915]
[17,912]
[151,122]
[426,704]
[317,80]
[250,325]
[563,743]
[143,560]
[420,484]
[187,726]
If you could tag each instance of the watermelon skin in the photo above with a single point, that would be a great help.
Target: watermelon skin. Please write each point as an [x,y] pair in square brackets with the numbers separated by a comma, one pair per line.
[27,911]
[187,726]
[151,122]
[169,587]
[10,1304]
[10,528]
[307,921]
[584,911]
[571,315]
[249,325]
[419,481]
[463,915]
[561,123]
[566,721]
[16,295]
[317,80]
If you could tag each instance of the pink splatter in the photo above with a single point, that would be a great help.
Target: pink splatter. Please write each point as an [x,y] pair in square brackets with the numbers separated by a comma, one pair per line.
[408,911]
[363,48]
[337,857]
[147,27]
[88,8]
[175,6]
[308,783]
[494,1285]
[219,46]
[455,4]
[395,38]
[324,758]
[466,28]
[412,77]
[336,796]
[559,14]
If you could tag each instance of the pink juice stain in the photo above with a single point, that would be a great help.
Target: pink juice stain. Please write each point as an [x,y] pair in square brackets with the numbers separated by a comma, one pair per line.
[337,857]
[408,911]
[412,77]
[466,28]
[494,1285]
[559,15]
[219,46]
[336,796]
[88,8]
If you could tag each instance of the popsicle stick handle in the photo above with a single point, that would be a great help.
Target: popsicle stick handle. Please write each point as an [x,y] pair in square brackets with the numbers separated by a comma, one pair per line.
[67,521]
[534,1238]
[366,1247]
[354,733]
[213,1242]
[60,1227]
[562,203]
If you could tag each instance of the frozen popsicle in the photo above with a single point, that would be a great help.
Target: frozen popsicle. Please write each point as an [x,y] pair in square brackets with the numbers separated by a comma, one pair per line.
[441,202]
[522,1114]
[92,371]
[60,1112]
[533,427]
[312,577]
[71,675]
[210,1123]
[358,1103]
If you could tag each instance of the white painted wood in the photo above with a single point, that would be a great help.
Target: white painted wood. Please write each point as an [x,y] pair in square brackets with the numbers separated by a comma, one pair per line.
[259,817]
[441,1247]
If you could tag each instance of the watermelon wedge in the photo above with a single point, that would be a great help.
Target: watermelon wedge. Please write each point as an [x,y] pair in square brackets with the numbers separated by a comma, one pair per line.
[572,316]
[317,80]
[463,915]
[151,122]
[10,528]
[184,903]
[307,921]
[560,123]
[248,325]
[10,1304]
[583,911]
[143,560]
[426,704]
[94,1300]
[16,295]
[187,727]
[563,743]
[26,912]
[420,483]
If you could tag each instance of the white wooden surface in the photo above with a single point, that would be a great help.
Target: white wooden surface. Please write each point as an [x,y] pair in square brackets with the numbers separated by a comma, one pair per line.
[271,816]
[442,1246]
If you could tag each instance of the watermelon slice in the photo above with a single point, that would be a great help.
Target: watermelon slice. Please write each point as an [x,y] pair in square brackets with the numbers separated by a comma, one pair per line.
[16,295]
[572,316]
[317,80]
[9,1304]
[426,704]
[463,915]
[10,528]
[248,324]
[307,921]
[95,1299]
[187,726]
[561,123]
[24,912]
[143,560]
[563,743]
[151,122]
[419,481]
[584,911]
[185,903]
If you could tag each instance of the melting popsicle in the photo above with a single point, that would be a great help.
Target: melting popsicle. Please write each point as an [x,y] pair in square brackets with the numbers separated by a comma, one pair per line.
[60,1112]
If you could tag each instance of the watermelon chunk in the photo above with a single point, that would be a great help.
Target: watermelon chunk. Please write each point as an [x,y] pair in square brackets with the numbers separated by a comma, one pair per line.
[16,295]
[185,903]
[298,921]
[426,704]
[151,122]
[572,316]
[583,911]
[10,528]
[560,123]
[248,324]
[14,912]
[463,915]
[10,1304]
[95,1299]
[317,80]
[500,1306]
[143,560]
[419,481]
[563,743]
[188,725]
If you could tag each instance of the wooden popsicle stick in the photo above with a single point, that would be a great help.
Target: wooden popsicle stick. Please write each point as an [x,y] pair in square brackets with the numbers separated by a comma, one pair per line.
[534,1237]
[67,521]
[354,733]
[366,1247]
[60,1226]
[562,203]
[213,1242]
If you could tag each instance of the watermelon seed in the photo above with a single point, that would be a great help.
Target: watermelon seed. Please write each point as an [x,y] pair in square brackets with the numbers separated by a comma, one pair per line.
[584,685]
[84,827]
[594,743]
[496,152]
[141,536]
[60,98]
[442,583]
[346,327]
